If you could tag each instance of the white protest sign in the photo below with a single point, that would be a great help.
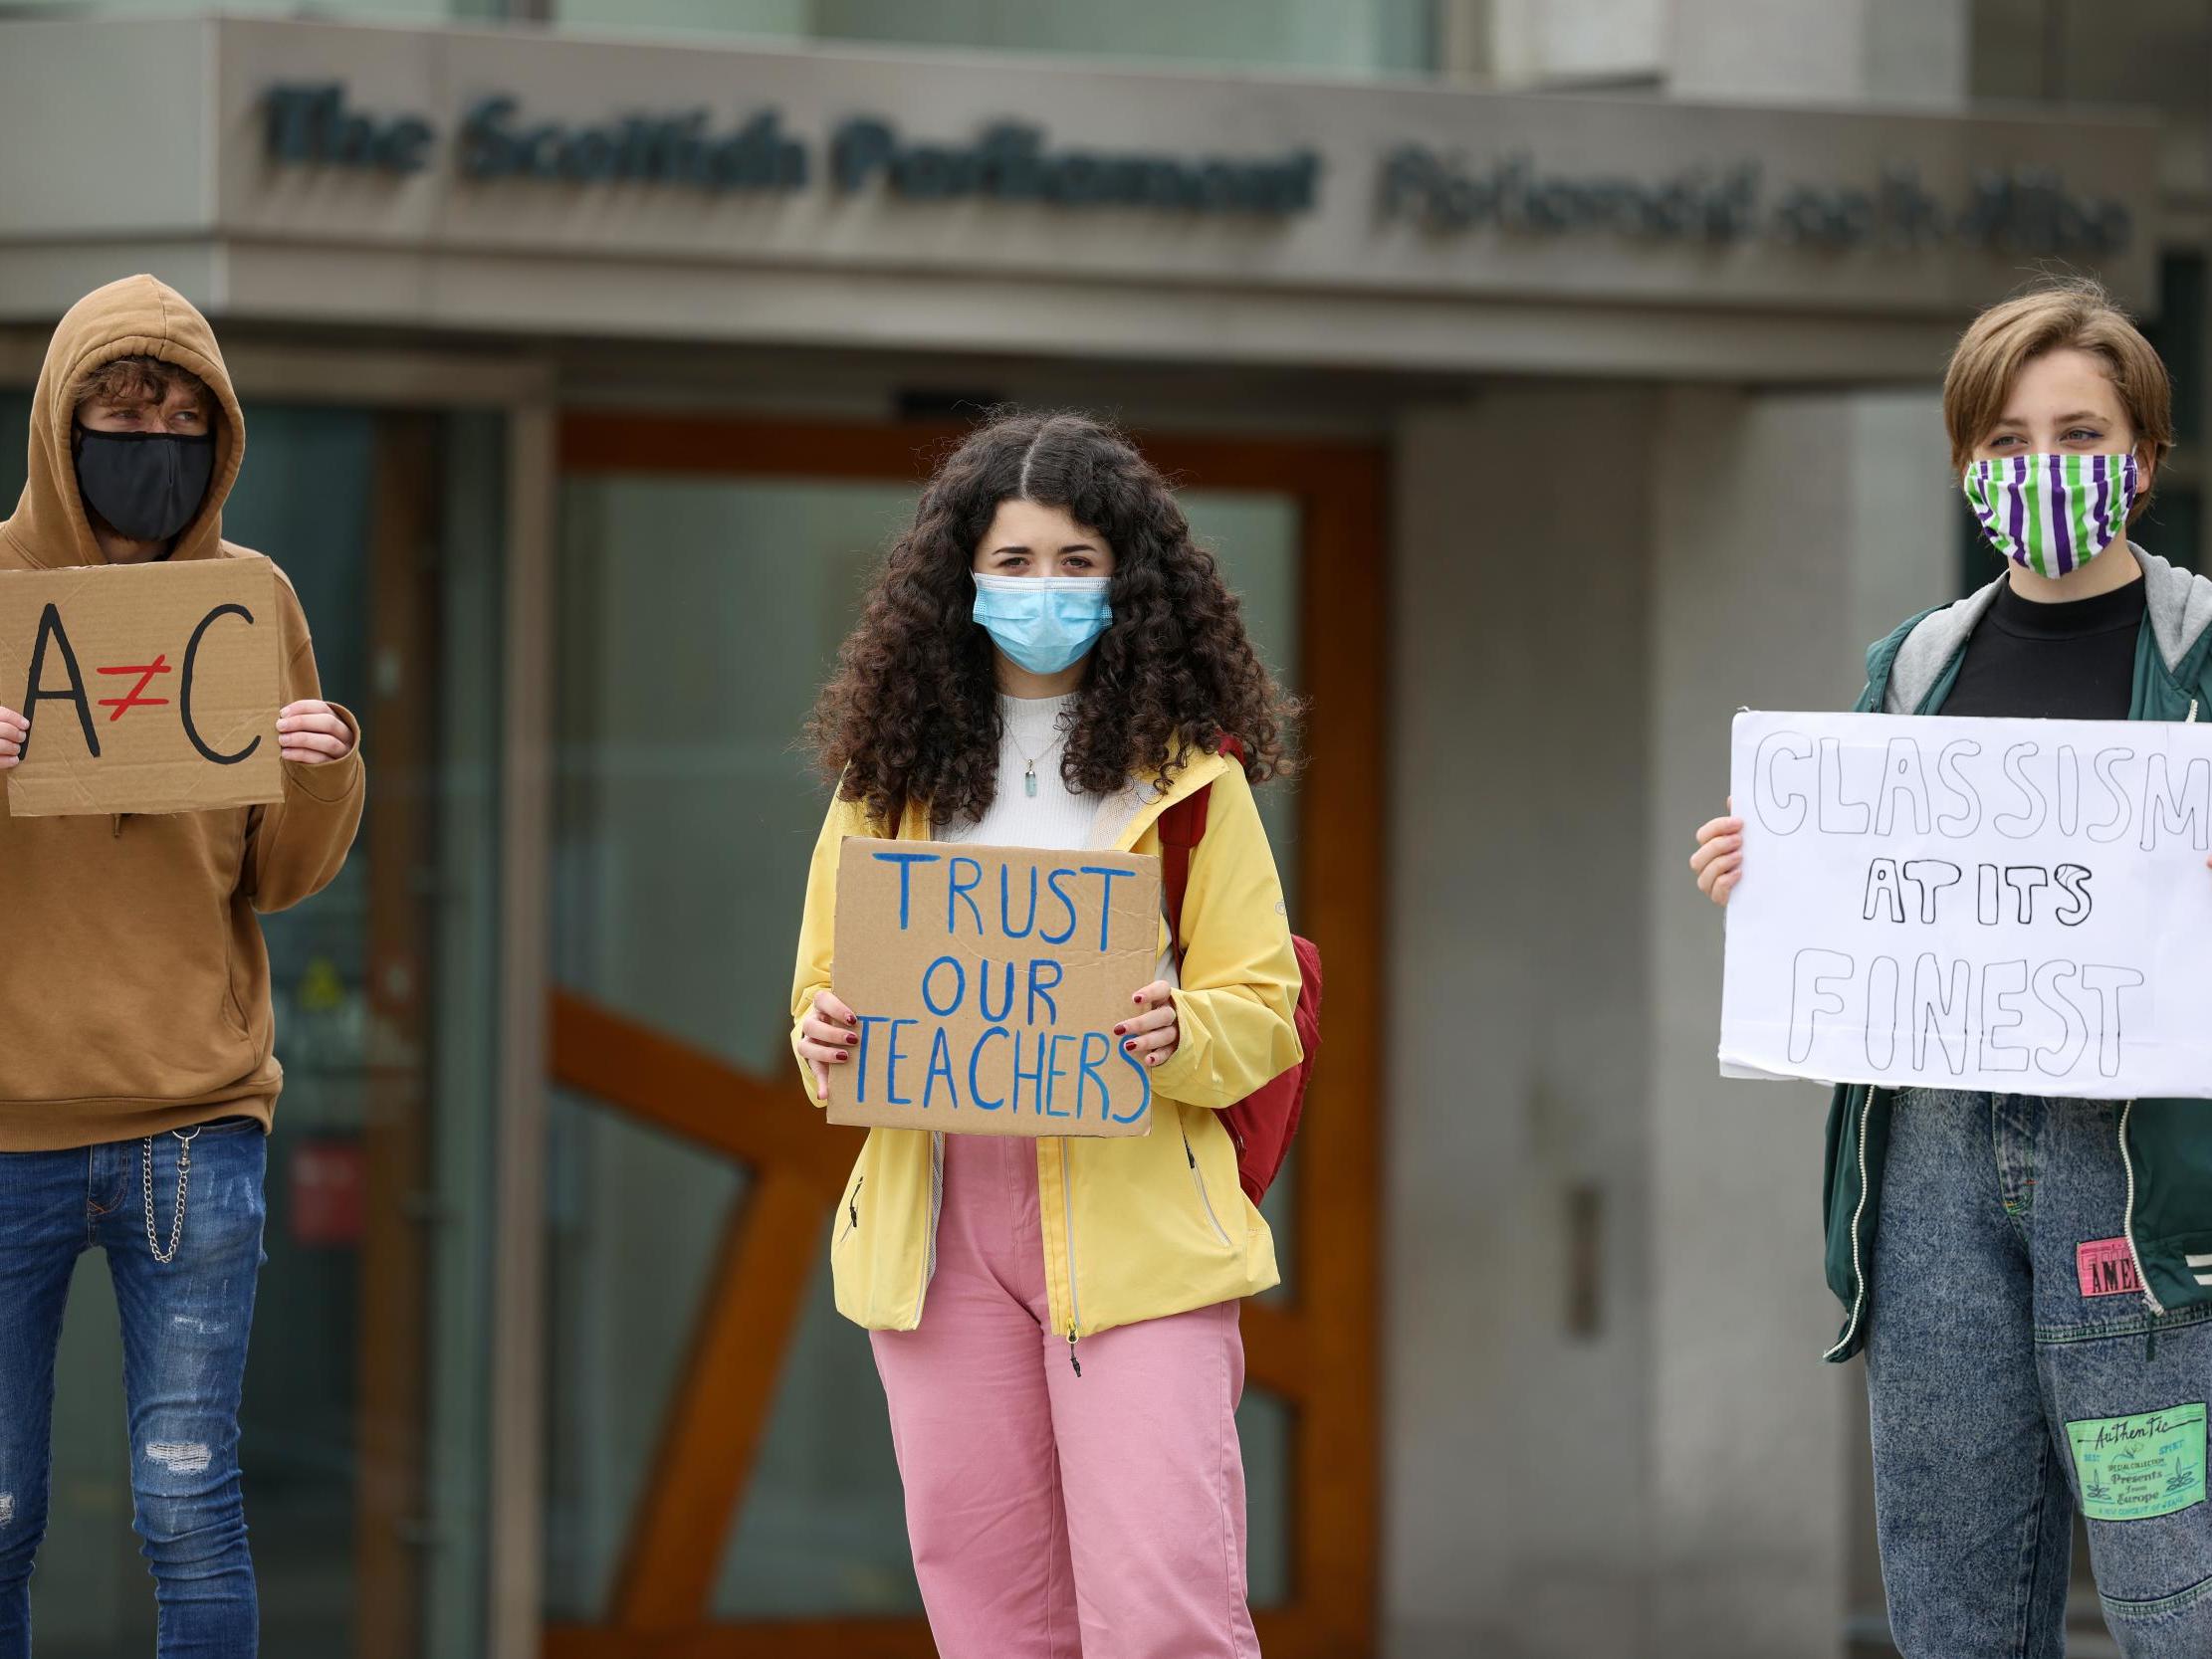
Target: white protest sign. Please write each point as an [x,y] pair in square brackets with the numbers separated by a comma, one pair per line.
[2017,906]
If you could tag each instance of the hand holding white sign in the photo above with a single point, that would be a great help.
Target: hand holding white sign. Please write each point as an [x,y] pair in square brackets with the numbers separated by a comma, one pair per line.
[13,730]
[2004,904]
[1718,861]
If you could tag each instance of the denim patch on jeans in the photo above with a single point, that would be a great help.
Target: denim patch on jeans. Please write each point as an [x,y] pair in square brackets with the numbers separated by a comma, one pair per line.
[2010,1352]
[184,1330]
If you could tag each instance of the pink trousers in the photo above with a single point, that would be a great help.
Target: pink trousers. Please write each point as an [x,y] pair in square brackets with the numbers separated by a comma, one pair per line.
[1057,1516]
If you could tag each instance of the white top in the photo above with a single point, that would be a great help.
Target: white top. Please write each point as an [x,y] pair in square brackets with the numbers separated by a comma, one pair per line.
[1055,817]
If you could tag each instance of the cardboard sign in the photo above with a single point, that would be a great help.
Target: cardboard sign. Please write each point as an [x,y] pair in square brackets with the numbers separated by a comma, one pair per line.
[988,983]
[147,687]
[2012,906]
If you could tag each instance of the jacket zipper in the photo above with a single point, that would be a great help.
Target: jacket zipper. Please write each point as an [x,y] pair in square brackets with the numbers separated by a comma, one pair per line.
[853,1209]
[2127,1220]
[1858,1272]
[1199,1180]
[1067,1210]
[1074,1304]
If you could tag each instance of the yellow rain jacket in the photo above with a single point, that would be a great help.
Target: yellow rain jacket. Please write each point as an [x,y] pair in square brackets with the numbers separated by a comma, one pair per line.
[1134,1229]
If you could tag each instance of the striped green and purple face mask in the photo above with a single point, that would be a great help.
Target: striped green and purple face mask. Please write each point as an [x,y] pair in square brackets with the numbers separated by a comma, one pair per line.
[2052,513]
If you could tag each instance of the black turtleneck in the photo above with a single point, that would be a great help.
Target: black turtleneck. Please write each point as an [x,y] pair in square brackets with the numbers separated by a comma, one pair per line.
[2075,660]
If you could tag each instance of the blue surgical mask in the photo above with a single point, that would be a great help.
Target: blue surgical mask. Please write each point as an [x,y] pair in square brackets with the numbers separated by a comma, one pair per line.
[1044,623]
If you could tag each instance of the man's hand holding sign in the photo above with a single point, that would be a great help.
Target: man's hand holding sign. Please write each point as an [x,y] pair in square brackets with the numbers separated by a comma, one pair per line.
[1968,904]
[152,688]
[987,990]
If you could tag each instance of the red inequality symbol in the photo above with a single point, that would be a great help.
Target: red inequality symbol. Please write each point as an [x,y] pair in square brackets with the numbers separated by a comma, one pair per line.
[145,674]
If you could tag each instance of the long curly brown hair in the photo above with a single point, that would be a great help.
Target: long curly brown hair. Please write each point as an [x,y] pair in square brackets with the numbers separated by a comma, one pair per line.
[912,714]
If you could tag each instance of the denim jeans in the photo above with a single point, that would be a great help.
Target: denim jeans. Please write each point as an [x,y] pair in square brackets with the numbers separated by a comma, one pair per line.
[184,1330]
[2014,1371]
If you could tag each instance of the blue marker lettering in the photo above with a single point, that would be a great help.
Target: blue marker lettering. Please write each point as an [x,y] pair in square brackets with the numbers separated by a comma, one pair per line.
[1145,1077]
[1054,1069]
[982,994]
[868,1023]
[1006,903]
[1041,989]
[958,889]
[960,986]
[1086,1070]
[1035,1074]
[1106,896]
[975,1067]
[1054,881]
[906,863]
[892,1057]
[941,1064]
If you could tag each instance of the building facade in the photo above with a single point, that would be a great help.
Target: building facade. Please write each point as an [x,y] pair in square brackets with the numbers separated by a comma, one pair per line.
[1552,380]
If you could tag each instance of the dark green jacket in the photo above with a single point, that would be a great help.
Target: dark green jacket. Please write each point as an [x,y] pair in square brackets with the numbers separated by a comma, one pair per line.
[2167,1144]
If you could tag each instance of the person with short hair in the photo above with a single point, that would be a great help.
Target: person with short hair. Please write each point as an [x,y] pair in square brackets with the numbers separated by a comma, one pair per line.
[137,1065]
[1962,1226]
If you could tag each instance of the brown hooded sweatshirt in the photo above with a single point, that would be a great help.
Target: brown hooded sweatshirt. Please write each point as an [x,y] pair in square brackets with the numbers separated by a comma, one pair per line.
[133,979]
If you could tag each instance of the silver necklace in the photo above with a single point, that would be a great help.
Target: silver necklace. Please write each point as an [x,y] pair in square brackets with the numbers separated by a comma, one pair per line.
[1030,771]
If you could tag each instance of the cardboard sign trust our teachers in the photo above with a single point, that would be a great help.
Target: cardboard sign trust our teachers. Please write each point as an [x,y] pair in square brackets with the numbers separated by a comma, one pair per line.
[988,983]
[147,687]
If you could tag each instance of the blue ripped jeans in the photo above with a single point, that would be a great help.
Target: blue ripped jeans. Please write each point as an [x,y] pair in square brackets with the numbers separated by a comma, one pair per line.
[2015,1372]
[184,1329]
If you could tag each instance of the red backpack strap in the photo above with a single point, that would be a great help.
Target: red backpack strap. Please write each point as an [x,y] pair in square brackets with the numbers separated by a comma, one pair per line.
[1183,827]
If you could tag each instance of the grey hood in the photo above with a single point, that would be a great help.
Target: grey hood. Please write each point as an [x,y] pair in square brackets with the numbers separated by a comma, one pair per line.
[2181,607]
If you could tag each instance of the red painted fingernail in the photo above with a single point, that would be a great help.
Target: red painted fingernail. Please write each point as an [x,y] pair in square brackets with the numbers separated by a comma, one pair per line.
[842,1058]
[1154,1061]
[1119,1029]
[852,1042]
[1131,1046]
[1139,1000]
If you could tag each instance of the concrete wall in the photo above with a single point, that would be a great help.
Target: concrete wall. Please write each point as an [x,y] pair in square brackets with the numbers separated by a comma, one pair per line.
[1516,1469]
[1910,53]
[1790,530]
[1681,1479]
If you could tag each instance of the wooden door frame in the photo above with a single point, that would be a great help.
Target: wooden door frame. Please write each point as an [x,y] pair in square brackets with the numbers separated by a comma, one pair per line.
[398,843]
[1319,1350]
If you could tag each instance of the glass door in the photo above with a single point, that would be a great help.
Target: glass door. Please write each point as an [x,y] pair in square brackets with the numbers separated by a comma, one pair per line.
[718,1456]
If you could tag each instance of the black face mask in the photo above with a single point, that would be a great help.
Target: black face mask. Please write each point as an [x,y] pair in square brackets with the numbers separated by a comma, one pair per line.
[149,485]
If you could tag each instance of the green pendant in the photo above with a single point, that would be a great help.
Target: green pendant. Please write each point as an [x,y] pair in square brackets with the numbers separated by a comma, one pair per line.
[1029,782]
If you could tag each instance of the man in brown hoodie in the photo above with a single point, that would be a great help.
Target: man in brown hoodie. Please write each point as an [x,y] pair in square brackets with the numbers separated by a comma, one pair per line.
[137,1072]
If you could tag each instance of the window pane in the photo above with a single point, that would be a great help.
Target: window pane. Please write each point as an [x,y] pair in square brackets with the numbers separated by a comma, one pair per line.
[627,1207]
[2184,311]
[1267,1425]
[432,11]
[2173,527]
[697,618]
[824,1524]
[1391,36]
[1256,537]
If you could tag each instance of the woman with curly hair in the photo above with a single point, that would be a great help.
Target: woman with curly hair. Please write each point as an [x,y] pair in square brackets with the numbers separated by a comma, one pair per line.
[1048,661]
